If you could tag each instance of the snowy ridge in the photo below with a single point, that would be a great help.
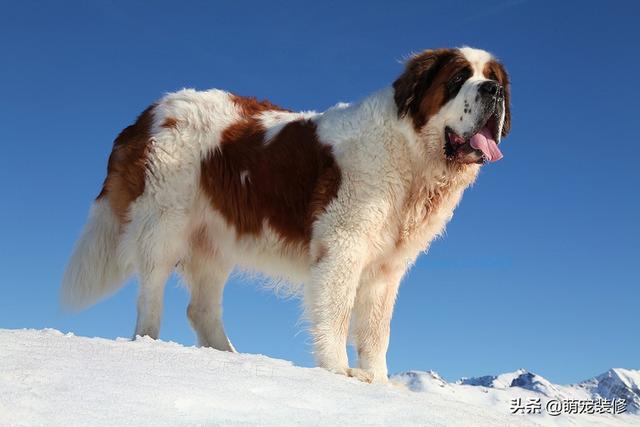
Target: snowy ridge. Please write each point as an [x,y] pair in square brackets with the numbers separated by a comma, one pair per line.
[49,378]
[614,384]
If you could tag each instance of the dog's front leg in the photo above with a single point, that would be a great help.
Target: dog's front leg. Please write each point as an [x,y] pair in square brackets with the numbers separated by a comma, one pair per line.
[372,319]
[329,299]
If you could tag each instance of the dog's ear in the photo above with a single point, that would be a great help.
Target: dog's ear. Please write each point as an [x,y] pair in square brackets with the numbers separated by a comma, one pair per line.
[506,87]
[418,75]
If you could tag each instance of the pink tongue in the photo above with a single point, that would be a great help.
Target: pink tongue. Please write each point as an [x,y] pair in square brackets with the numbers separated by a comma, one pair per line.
[484,142]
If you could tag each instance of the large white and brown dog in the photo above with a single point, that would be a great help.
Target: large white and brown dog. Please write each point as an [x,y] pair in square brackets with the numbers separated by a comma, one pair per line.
[338,204]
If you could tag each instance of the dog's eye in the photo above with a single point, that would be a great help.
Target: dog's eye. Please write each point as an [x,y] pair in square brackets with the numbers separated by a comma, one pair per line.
[459,77]
[454,84]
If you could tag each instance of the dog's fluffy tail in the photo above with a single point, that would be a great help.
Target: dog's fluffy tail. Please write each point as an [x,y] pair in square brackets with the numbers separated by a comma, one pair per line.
[94,270]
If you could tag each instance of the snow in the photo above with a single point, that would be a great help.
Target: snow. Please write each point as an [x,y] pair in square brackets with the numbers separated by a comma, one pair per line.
[49,378]
[616,383]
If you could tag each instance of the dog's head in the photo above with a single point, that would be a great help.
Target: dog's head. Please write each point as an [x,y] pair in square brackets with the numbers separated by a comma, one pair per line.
[459,98]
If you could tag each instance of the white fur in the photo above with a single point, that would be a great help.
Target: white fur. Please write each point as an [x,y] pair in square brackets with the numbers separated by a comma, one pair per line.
[477,57]
[396,195]
[94,271]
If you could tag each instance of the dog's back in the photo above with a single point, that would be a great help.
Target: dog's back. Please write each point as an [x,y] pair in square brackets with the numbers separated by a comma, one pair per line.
[203,181]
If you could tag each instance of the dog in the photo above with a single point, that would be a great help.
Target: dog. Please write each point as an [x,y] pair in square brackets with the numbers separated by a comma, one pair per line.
[337,204]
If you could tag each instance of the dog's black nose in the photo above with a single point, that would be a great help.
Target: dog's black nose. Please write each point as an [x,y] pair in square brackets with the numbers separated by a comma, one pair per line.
[490,88]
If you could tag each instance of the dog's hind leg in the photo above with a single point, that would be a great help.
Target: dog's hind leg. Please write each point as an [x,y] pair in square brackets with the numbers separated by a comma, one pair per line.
[159,245]
[206,273]
[150,299]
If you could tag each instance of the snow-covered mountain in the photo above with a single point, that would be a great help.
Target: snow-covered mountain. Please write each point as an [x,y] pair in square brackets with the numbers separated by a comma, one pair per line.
[49,378]
[520,378]
[616,384]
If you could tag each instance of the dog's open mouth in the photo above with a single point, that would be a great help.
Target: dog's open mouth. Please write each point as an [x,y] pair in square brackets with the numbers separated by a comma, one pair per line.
[483,142]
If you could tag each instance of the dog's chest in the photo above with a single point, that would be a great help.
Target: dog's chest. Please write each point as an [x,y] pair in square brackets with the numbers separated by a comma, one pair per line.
[424,213]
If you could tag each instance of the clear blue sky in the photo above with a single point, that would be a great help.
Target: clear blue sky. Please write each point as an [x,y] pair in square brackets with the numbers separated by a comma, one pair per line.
[555,290]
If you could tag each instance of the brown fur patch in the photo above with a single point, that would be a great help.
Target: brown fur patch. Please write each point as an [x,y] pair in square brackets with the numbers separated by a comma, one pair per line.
[422,90]
[286,182]
[170,122]
[126,170]
[321,253]
[495,71]
[200,240]
[250,107]
[384,269]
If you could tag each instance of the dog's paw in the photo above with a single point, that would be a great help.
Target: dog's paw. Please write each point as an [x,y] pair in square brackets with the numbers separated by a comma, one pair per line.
[360,374]
[364,375]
